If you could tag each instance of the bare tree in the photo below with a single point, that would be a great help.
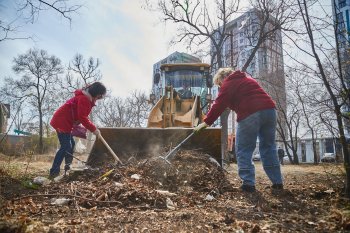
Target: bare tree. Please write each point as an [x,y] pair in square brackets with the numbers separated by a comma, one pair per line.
[114,112]
[262,27]
[29,10]
[318,38]
[22,119]
[53,101]
[138,103]
[39,73]
[132,111]
[197,26]
[289,120]
[32,8]
[82,72]
[302,90]
[9,31]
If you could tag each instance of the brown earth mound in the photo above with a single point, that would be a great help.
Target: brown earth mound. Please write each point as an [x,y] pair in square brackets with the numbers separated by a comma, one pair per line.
[190,170]
[146,183]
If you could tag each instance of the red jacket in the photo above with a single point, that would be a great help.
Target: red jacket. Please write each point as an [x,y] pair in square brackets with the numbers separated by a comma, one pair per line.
[242,94]
[75,110]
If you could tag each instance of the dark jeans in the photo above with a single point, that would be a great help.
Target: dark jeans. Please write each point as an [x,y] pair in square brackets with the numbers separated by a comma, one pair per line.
[65,152]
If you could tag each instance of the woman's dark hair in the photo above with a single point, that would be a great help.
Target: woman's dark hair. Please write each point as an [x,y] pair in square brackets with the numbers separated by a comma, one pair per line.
[95,89]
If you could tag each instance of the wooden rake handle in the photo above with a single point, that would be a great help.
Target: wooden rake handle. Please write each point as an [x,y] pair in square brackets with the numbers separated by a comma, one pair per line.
[110,149]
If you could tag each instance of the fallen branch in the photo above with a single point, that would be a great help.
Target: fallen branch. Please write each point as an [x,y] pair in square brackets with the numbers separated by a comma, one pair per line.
[66,195]
[144,208]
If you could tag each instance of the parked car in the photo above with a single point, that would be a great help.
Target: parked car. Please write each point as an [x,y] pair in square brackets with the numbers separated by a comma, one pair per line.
[328,158]
[286,159]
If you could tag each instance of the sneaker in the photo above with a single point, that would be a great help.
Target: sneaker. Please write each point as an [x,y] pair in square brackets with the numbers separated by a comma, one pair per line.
[277,186]
[248,188]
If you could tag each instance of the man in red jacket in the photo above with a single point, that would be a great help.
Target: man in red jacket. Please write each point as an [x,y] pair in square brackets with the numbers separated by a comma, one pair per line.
[75,111]
[256,117]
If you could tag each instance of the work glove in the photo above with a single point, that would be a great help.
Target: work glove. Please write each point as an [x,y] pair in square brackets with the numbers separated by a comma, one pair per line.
[97,133]
[200,127]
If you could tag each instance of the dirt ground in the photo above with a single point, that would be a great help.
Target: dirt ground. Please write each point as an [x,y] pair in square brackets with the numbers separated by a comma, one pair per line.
[191,195]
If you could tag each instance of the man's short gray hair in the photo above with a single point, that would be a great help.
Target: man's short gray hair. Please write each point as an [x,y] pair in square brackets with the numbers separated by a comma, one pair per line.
[221,74]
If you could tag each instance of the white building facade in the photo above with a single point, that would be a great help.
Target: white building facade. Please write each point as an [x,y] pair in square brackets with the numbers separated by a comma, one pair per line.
[324,146]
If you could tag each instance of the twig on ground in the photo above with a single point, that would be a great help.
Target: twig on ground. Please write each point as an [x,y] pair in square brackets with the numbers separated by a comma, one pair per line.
[66,195]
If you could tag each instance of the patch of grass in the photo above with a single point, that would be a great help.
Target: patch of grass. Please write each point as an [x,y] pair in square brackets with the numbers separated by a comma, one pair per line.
[25,167]
[29,184]
[11,169]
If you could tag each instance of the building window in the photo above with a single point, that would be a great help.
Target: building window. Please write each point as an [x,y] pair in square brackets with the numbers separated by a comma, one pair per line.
[340,17]
[341,3]
[252,65]
[341,26]
[227,46]
[264,61]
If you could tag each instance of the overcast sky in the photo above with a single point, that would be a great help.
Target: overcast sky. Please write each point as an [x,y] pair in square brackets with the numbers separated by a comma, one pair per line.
[127,39]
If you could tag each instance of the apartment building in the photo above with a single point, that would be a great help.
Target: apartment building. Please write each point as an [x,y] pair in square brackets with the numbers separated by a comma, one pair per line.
[341,17]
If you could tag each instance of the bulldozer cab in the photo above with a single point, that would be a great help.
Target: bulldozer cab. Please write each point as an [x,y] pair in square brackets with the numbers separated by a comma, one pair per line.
[188,80]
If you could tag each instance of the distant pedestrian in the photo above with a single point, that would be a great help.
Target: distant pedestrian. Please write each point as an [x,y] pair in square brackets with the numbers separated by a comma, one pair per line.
[280,152]
[74,112]
[185,92]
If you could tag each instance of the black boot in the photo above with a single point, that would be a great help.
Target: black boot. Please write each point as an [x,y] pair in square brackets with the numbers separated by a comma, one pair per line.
[248,188]
[277,186]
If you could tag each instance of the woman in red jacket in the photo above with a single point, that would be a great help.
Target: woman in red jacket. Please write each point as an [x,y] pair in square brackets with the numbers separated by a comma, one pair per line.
[256,118]
[75,111]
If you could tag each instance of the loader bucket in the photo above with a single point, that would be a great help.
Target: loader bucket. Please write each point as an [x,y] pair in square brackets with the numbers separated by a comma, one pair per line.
[145,142]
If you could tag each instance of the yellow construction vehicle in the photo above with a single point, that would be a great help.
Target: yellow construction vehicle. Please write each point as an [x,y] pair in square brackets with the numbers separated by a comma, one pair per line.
[181,96]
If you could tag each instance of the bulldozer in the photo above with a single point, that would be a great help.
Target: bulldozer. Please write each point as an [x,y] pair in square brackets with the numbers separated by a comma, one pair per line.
[181,95]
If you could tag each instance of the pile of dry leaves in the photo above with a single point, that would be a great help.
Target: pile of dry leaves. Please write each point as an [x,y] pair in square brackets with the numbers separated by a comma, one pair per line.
[150,183]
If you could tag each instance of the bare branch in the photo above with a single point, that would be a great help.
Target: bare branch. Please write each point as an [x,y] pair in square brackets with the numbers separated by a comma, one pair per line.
[33,8]
[29,10]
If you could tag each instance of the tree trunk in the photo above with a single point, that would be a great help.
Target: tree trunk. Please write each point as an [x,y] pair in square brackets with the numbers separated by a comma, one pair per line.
[41,144]
[345,151]
[316,159]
